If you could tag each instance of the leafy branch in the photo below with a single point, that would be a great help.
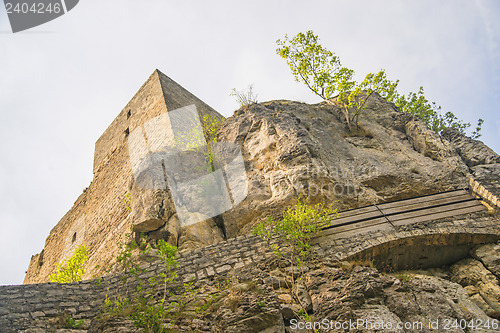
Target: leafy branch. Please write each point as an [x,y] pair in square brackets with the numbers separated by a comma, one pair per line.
[294,232]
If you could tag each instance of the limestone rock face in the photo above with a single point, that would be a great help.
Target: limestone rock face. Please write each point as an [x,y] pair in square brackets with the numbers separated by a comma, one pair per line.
[488,175]
[483,162]
[474,152]
[154,215]
[150,208]
[483,286]
[489,255]
[200,234]
[426,142]
[294,149]
[366,294]
[248,316]
[168,232]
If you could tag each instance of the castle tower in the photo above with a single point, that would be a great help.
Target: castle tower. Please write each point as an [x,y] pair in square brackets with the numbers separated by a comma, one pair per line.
[108,209]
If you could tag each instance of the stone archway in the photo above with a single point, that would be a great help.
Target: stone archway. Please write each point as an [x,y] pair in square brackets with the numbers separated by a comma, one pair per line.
[423,251]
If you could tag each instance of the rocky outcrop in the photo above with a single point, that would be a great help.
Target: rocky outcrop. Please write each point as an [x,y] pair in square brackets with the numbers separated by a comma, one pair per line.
[294,149]
[481,285]
[480,277]
[169,232]
[426,142]
[199,235]
[489,255]
[486,182]
[483,163]
[364,293]
[150,209]
[153,213]
[473,152]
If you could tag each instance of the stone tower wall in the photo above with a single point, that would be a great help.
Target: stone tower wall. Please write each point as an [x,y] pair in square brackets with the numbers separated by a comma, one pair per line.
[103,214]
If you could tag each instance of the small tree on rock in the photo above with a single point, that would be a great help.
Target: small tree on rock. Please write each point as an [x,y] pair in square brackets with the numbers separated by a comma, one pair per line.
[296,228]
[322,72]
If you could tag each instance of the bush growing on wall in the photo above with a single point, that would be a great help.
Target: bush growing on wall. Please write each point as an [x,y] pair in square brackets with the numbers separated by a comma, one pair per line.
[71,269]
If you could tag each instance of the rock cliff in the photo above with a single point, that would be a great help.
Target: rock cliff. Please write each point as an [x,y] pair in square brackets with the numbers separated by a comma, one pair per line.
[290,149]
[294,149]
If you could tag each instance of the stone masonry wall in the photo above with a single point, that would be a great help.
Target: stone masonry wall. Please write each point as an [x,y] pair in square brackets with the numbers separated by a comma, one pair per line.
[40,306]
[487,187]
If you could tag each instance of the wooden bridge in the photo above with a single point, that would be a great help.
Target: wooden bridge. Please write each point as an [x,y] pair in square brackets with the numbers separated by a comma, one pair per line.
[387,216]
[426,231]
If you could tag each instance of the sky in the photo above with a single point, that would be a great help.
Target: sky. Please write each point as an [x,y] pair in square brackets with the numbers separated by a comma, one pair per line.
[63,83]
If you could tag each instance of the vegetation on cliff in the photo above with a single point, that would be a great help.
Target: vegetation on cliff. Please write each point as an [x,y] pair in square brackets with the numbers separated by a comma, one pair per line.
[295,229]
[322,72]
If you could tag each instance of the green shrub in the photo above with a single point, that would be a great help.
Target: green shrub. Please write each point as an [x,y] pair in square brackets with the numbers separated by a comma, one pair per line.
[72,269]
[70,322]
[296,228]
[149,317]
[145,309]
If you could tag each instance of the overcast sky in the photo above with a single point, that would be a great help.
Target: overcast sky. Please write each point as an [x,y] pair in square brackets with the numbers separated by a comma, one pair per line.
[62,83]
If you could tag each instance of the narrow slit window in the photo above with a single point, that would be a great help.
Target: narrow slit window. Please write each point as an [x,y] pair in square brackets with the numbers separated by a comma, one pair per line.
[129,113]
[127,131]
[74,238]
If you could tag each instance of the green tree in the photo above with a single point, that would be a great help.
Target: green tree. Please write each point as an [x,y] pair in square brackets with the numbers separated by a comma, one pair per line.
[296,228]
[211,126]
[312,64]
[430,113]
[72,269]
[322,72]
[167,254]
[294,232]
[353,101]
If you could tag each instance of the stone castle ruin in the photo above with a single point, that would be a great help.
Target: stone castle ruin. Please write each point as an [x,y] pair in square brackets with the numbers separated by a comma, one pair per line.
[409,199]
[284,150]
[113,204]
